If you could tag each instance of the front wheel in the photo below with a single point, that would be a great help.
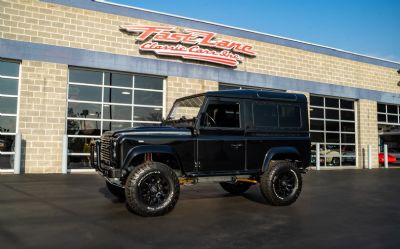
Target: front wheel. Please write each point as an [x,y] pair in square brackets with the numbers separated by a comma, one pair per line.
[281,183]
[152,189]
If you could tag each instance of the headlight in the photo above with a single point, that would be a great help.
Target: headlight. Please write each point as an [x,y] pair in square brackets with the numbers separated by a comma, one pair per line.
[114,152]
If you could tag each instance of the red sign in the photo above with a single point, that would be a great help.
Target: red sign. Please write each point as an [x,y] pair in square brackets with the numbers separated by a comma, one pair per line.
[190,44]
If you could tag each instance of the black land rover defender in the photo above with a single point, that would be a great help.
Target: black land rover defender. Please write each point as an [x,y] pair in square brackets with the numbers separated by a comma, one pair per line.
[238,138]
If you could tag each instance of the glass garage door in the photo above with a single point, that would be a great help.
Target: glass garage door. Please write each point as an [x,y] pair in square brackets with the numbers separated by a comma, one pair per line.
[332,124]
[9,84]
[100,101]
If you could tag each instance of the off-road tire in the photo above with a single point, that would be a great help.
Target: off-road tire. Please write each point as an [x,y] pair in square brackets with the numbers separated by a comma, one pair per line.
[152,181]
[273,180]
[237,188]
[116,191]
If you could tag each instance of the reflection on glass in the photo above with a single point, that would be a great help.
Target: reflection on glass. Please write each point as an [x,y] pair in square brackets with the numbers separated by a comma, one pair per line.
[83,127]
[78,162]
[348,138]
[9,68]
[330,102]
[7,124]
[332,126]
[332,114]
[84,110]
[6,161]
[85,76]
[112,126]
[148,98]
[392,119]
[116,95]
[347,126]
[148,82]
[147,114]
[86,93]
[117,112]
[346,104]
[137,124]
[347,115]
[332,137]
[392,109]
[7,143]
[316,125]
[8,105]
[118,79]
[79,144]
[316,101]
[381,108]
[316,112]
[317,137]
[8,86]
[332,155]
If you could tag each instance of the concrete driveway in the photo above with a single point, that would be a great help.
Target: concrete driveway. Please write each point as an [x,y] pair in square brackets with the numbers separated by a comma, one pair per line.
[337,209]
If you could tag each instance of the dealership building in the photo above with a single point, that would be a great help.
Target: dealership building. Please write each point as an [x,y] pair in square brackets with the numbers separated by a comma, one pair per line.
[71,70]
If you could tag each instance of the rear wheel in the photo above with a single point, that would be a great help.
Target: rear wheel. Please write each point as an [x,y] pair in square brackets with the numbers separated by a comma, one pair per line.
[152,189]
[235,188]
[116,191]
[281,183]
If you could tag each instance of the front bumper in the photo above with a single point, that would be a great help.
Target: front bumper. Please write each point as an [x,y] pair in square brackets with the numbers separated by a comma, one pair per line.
[96,162]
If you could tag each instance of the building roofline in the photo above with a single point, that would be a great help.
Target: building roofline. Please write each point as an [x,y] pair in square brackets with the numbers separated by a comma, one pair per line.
[150,15]
[242,29]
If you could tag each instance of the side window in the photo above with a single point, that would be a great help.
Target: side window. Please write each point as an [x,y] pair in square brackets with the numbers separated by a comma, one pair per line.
[222,114]
[265,114]
[289,116]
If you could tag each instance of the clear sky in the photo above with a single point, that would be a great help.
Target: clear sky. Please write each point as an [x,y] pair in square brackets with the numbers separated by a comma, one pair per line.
[370,27]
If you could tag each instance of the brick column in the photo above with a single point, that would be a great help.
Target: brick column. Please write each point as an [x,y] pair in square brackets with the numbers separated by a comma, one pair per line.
[367,132]
[42,115]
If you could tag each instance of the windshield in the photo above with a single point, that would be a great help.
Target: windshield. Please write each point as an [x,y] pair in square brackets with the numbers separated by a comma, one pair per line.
[186,109]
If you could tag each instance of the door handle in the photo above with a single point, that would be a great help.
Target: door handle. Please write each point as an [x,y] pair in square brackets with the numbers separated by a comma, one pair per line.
[236,146]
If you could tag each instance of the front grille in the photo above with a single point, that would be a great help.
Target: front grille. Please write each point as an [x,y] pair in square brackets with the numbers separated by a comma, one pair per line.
[105,150]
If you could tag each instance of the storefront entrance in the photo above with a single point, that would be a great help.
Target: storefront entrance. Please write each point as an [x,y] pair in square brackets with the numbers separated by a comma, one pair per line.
[389,132]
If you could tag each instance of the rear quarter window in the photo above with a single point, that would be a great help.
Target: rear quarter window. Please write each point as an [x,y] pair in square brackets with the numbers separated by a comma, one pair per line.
[289,116]
[277,116]
[265,114]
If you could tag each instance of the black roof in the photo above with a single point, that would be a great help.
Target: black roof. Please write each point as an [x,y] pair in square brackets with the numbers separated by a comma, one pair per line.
[256,94]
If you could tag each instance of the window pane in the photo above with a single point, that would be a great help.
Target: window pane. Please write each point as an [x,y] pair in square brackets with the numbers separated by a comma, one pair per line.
[117,79]
[332,114]
[332,126]
[381,117]
[332,155]
[83,127]
[84,76]
[316,101]
[330,102]
[289,116]
[116,95]
[112,126]
[147,114]
[6,161]
[147,82]
[7,143]
[316,125]
[145,124]
[347,115]
[227,87]
[117,112]
[348,161]
[349,127]
[86,93]
[348,138]
[9,68]
[79,144]
[265,115]
[317,137]
[84,110]
[8,86]
[332,137]
[148,98]
[8,105]
[381,108]
[348,150]
[7,124]
[392,109]
[317,112]
[392,119]
[78,162]
[347,104]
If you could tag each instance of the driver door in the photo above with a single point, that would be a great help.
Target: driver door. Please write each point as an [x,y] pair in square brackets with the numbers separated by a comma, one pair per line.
[220,141]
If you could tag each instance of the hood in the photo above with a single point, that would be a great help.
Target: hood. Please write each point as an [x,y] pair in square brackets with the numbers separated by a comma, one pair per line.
[152,130]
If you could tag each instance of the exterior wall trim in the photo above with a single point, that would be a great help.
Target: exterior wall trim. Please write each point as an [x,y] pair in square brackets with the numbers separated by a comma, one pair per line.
[11,49]
[122,10]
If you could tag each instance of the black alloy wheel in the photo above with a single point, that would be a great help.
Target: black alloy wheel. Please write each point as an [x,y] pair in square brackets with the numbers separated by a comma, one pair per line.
[154,189]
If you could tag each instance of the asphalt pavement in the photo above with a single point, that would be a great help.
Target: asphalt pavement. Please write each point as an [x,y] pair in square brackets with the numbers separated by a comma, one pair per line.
[337,209]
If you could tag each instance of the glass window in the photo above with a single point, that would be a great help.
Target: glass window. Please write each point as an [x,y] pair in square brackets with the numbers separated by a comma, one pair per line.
[78,162]
[347,126]
[382,108]
[147,82]
[112,126]
[83,127]
[8,86]
[330,102]
[348,138]
[332,126]
[332,114]
[223,115]
[85,93]
[8,124]
[316,101]
[228,87]
[79,144]
[332,137]
[392,118]
[7,143]
[6,161]
[117,79]
[346,104]
[147,113]
[117,112]
[289,116]
[8,105]
[117,95]
[347,115]
[8,68]
[316,112]
[148,98]
[85,76]
[265,114]
[84,110]
[317,137]
[381,117]
[392,109]
[317,125]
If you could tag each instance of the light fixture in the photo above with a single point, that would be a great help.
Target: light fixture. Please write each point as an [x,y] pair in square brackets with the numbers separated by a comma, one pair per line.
[125,93]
